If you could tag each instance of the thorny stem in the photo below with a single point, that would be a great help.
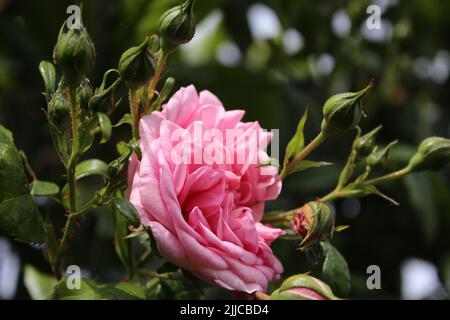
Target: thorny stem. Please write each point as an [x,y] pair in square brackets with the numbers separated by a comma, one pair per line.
[134,114]
[74,113]
[68,229]
[159,68]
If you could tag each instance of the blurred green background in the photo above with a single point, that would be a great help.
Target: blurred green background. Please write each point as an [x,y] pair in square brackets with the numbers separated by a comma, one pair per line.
[271,58]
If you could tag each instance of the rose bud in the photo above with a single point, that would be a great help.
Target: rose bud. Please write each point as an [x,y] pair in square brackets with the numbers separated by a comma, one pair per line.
[103,98]
[314,222]
[84,92]
[59,111]
[343,111]
[364,144]
[378,158]
[74,53]
[167,88]
[177,26]
[303,287]
[433,154]
[137,66]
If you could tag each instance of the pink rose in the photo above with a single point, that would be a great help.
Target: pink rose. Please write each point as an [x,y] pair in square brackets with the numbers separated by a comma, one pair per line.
[205,214]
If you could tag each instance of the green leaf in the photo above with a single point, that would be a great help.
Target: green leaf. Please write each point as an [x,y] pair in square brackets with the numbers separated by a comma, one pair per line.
[307,164]
[166,89]
[105,126]
[61,141]
[297,142]
[37,283]
[123,148]
[335,270]
[48,74]
[91,167]
[43,188]
[89,290]
[19,216]
[121,244]
[85,136]
[127,210]
[126,119]
[341,228]
[84,169]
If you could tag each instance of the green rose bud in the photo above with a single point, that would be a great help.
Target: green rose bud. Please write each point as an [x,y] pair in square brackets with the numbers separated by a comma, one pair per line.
[364,144]
[303,287]
[314,222]
[59,111]
[117,170]
[433,154]
[84,92]
[343,111]
[378,158]
[177,26]
[74,53]
[137,66]
[167,88]
[103,99]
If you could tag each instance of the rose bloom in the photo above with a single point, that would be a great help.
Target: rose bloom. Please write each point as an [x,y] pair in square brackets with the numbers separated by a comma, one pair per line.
[205,215]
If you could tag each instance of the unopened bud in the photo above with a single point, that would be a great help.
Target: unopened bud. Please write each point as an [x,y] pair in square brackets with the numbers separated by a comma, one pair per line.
[433,154]
[177,25]
[103,98]
[378,158]
[303,287]
[74,53]
[84,92]
[365,143]
[314,222]
[167,88]
[137,66]
[59,111]
[343,111]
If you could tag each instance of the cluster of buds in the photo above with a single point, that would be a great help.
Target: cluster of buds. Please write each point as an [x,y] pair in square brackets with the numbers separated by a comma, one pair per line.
[303,287]
[314,222]
[376,157]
